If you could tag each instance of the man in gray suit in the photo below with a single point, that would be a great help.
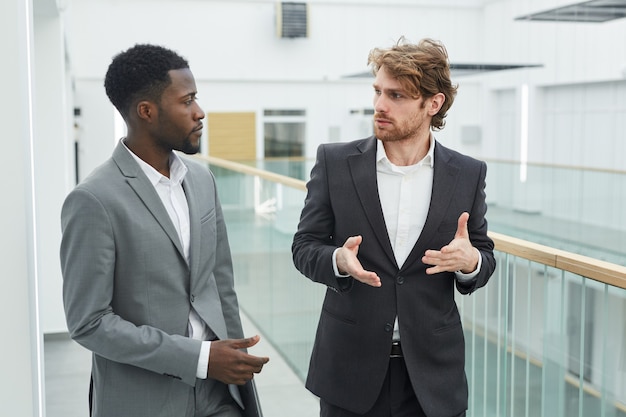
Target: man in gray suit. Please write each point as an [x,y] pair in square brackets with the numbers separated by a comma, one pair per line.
[148,280]
[391,224]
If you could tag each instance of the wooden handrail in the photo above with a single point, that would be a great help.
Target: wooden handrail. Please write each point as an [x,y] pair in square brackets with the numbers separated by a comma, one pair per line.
[585,266]
[595,269]
[248,170]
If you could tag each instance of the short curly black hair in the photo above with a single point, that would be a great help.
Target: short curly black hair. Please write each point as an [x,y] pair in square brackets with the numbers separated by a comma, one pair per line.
[140,73]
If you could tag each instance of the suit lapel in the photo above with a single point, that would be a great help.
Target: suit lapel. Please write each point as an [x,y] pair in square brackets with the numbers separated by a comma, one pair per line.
[146,193]
[445,177]
[366,185]
[194,219]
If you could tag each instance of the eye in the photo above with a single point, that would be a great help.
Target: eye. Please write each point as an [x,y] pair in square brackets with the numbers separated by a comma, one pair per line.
[377,92]
[190,100]
[396,95]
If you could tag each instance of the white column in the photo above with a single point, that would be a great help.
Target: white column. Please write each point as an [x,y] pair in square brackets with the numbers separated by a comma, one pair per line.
[53,156]
[21,390]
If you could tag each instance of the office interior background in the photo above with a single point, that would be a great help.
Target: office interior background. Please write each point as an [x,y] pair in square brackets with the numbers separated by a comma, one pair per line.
[541,83]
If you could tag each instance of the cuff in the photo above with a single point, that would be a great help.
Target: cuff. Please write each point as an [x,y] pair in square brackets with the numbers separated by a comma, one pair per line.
[335,269]
[202,370]
[468,277]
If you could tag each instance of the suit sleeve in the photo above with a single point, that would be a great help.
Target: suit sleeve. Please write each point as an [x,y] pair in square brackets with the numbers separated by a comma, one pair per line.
[477,227]
[313,242]
[88,254]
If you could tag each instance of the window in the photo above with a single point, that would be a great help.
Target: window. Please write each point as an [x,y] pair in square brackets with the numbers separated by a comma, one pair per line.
[284,132]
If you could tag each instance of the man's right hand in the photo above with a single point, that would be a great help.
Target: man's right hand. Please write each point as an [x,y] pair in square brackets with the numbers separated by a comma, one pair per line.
[227,363]
[348,263]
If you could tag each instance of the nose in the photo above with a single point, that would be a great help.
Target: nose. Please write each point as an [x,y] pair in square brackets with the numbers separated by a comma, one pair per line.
[380,105]
[199,113]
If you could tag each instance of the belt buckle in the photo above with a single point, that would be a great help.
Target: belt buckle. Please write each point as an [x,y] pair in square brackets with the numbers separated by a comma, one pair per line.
[396,350]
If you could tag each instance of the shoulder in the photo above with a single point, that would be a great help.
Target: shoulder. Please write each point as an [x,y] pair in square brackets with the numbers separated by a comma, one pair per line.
[102,180]
[197,168]
[447,155]
[342,149]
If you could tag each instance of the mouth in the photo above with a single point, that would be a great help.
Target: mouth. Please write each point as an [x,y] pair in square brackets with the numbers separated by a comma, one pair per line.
[198,129]
[382,122]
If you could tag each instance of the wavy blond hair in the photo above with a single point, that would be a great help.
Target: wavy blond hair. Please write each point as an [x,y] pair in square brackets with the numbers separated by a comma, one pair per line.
[422,70]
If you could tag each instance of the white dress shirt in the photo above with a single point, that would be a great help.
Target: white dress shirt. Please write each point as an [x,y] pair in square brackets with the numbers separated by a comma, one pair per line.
[171,192]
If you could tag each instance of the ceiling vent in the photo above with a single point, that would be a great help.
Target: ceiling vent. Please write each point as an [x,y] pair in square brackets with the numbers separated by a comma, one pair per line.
[292,20]
[595,11]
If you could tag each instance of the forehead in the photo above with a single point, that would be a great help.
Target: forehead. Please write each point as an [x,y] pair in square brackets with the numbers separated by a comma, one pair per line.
[384,80]
[182,84]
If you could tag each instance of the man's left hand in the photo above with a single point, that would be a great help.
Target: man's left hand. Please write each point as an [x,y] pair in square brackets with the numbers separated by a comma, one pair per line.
[458,255]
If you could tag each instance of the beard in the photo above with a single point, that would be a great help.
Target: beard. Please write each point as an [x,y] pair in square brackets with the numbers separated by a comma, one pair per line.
[188,147]
[395,132]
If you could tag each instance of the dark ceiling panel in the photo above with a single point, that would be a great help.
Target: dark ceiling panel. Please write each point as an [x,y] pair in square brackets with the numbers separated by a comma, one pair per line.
[595,11]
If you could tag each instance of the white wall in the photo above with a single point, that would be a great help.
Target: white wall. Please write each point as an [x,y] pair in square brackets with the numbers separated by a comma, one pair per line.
[241,65]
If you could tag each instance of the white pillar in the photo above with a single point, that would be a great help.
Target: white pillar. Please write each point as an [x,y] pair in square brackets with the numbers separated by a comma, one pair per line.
[53,156]
[21,387]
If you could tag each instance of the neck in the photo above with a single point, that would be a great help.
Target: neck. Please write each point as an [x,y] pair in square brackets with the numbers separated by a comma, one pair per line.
[154,156]
[406,152]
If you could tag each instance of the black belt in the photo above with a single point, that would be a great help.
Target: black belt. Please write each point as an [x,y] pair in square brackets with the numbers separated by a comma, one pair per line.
[396,349]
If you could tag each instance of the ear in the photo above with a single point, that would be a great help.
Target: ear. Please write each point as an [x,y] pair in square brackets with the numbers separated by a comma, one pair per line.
[435,104]
[146,110]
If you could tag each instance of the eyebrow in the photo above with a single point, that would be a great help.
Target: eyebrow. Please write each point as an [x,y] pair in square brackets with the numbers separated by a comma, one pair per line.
[191,94]
[391,90]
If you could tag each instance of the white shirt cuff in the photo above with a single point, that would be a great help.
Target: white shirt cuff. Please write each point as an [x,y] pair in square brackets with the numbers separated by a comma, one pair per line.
[466,277]
[335,269]
[202,370]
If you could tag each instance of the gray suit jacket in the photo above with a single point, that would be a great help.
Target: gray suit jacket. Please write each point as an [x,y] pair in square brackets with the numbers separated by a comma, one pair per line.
[128,289]
[353,342]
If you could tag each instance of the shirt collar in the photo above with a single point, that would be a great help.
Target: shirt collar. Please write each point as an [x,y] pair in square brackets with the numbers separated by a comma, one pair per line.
[381,155]
[178,169]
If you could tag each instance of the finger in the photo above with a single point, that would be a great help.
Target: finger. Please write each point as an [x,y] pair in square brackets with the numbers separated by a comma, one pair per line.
[461,230]
[367,277]
[373,281]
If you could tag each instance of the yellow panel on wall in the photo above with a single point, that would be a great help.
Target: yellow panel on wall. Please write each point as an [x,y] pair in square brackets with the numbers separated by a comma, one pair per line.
[232,135]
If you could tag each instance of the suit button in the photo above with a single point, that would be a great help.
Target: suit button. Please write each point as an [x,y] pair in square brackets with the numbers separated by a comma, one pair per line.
[192,298]
[388,327]
[400,280]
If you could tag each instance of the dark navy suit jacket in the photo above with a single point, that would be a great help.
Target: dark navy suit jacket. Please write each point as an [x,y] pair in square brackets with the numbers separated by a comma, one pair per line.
[354,335]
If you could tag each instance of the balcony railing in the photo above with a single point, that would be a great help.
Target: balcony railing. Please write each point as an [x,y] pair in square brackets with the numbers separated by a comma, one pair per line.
[546,336]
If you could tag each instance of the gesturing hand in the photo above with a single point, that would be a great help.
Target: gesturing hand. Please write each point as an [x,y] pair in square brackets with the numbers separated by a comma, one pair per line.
[348,263]
[458,255]
[227,363]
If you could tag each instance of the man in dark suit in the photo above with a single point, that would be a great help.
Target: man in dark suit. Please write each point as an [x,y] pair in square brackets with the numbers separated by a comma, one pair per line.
[391,225]
[147,271]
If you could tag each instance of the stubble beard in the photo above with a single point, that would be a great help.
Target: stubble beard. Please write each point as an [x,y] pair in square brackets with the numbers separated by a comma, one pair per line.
[189,148]
[396,134]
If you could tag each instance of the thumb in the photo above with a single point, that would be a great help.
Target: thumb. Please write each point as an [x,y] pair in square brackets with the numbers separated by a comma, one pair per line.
[461,229]
[353,242]
[246,343]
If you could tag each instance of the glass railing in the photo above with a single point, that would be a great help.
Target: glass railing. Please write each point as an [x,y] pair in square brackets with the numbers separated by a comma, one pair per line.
[544,339]
[564,207]
[546,336]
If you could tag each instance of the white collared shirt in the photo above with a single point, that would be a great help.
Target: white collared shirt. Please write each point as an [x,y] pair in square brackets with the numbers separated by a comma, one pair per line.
[172,194]
[404,193]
